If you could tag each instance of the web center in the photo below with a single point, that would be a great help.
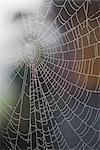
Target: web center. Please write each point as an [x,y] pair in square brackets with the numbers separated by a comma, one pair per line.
[31,52]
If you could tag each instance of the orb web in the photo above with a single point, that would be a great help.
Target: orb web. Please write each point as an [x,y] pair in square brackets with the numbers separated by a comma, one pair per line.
[58,96]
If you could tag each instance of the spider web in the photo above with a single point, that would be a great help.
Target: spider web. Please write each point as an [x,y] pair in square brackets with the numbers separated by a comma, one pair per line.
[57,104]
